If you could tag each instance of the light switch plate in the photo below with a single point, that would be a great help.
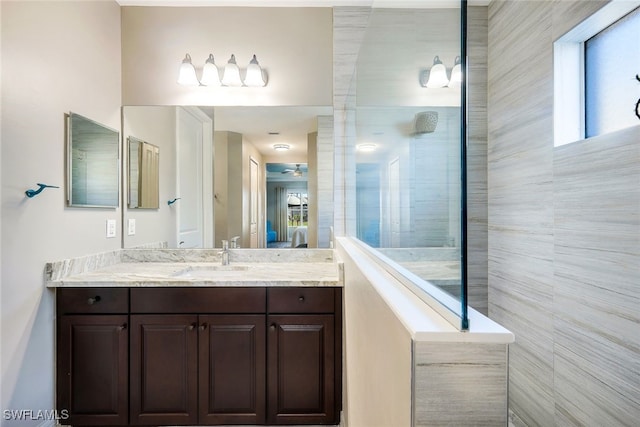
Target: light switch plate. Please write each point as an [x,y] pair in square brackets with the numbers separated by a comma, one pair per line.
[111,228]
[131,227]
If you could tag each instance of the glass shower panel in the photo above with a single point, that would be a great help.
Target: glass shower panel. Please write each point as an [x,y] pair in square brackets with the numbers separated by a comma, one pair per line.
[408,200]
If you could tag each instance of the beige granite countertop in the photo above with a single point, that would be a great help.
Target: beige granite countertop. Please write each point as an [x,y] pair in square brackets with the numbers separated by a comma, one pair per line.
[153,268]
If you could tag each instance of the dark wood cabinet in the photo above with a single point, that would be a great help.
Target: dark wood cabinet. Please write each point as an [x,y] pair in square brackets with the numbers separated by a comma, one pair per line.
[301,369]
[232,369]
[92,358]
[164,371]
[200,356]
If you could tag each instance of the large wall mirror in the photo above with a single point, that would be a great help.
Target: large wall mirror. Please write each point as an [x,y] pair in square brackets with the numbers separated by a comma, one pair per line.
[222,171]
[92,163]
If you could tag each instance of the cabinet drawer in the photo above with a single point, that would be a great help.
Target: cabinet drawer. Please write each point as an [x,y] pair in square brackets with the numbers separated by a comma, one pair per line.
[198,300]
[301,300]
[92,300]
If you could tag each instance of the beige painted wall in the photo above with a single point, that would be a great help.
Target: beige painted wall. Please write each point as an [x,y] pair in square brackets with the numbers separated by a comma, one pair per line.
[157,39]
[378,355]
[56,57]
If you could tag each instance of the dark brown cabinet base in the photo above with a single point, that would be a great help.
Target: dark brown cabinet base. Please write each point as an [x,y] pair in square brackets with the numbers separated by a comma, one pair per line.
[199,356]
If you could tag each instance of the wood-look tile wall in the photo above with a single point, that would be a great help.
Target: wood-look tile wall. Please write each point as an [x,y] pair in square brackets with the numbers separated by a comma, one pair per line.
[564,235]
[460,384]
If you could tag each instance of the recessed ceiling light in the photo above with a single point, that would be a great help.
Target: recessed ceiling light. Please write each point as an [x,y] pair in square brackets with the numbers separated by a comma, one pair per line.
[281,147]
[366,147]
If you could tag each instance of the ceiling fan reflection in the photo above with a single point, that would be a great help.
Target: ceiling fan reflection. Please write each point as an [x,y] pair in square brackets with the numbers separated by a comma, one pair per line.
[297,172]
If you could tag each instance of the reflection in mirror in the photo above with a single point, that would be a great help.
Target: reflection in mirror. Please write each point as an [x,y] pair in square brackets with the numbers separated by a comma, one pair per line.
[92,163]
[287,205]
[144,166]
[243,140]
[407,149]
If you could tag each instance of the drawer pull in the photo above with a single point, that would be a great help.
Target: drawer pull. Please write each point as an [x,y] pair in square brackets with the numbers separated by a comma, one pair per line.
[301,298]
[94,300]
[203,326]
[192,326]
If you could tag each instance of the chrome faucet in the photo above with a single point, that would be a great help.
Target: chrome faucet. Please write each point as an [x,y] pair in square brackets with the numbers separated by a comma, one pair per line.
[234,242]
[224,254]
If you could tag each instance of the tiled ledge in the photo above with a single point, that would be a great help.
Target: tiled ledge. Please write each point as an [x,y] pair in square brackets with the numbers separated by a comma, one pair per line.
[421,320]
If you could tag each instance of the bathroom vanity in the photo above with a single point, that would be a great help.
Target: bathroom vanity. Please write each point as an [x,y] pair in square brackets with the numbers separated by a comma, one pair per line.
[196,343]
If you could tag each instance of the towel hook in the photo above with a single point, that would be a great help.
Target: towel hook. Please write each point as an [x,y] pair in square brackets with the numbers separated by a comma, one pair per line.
[170,202]
[30,193]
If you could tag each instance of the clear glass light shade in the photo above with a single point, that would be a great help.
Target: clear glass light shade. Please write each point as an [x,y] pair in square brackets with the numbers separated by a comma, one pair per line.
[437,74]
[187,75]
[254,76]
[231,75]
[456,74]
[210,76]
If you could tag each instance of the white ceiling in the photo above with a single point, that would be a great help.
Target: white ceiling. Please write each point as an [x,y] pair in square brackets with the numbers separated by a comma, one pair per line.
[255,124]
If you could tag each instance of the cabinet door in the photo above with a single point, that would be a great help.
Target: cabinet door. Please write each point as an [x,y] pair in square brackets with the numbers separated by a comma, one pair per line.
[92,369]
[232,369]
[300,362]
[164,371]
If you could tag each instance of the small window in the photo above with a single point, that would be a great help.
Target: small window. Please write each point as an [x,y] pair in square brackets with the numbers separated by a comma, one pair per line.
[595,68]
[611,63]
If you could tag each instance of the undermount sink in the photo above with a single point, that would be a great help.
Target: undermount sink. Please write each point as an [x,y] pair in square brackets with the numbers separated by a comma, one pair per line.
[208,270]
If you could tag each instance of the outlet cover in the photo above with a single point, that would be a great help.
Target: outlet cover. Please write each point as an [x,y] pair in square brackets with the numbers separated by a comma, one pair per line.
[111,228]
[131,227]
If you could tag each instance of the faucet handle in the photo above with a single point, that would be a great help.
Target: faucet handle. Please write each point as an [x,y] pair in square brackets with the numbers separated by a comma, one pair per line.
[234,241]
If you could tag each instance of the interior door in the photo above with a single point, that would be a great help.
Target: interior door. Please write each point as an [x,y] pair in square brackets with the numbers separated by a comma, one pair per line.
[194,179]
[254,208]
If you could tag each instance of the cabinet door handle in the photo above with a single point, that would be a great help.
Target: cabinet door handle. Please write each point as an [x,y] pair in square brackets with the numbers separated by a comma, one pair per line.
[203,326]
[94,300]
[301,298]
[272,327]
[122,327]
[192,326]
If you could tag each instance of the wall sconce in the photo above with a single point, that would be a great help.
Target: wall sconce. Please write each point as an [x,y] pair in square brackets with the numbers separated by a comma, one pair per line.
[254,75]
[436,77]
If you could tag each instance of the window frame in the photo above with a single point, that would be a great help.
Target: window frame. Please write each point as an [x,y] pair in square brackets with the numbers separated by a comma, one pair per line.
[568,62]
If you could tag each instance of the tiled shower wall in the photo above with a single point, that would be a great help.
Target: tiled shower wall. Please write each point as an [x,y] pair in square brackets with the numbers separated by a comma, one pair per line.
[564,234]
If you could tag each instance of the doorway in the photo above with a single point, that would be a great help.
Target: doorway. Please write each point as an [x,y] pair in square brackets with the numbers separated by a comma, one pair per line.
[287,205]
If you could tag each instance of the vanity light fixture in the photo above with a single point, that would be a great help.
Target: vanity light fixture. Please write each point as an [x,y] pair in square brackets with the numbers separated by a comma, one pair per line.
[231,74]
[210,75]
[281,147]
[366,147]
[456,74]
[436,77]
[187,75]
[253,77]
[437,74]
